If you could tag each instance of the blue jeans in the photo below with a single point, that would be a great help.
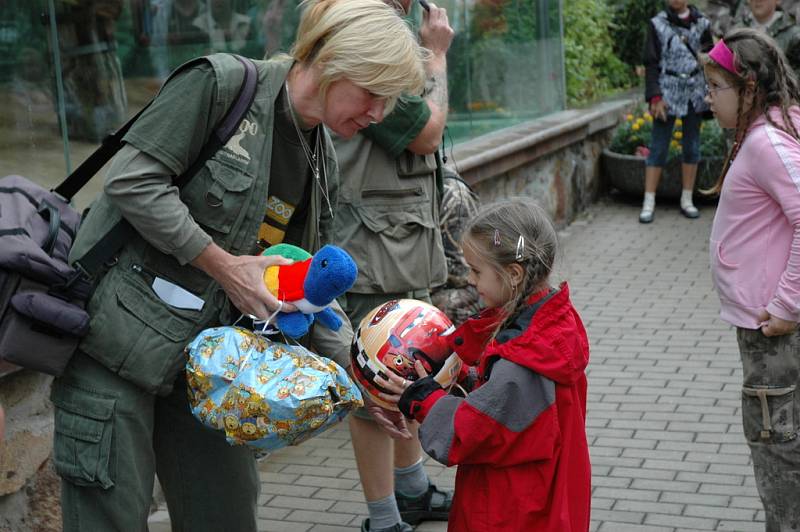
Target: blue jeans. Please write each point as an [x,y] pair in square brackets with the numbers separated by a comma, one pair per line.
[662,135]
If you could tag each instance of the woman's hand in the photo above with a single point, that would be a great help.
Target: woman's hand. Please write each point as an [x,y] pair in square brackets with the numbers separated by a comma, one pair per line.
[242,278]
[774,326]
[394,423]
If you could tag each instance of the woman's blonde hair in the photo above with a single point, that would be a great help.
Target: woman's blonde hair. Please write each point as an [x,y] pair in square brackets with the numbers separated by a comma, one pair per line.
[494,234]
[364,41]
[761,67]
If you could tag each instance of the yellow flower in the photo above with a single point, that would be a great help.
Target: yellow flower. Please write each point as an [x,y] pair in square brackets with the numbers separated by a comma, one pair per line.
[635,138]
[648,116]
[678,135]
[675,144]
[629,118]
[678,122]
[635,126]
[640,121]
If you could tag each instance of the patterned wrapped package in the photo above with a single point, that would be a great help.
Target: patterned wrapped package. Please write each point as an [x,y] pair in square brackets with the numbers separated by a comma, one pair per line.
[264,394]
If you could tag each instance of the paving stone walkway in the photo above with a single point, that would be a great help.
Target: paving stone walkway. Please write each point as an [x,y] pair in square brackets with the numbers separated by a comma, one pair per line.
[663,419]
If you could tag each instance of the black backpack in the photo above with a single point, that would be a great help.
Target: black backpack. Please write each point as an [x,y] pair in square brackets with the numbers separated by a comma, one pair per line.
[42,297]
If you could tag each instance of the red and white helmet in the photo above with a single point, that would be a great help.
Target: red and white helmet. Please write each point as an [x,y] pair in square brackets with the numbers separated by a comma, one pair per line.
[394,335]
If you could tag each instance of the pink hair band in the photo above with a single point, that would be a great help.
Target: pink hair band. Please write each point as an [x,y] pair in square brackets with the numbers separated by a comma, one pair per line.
[723,56]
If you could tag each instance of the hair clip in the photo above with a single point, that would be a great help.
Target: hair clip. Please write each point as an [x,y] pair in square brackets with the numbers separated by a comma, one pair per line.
[496,237]
[520,247]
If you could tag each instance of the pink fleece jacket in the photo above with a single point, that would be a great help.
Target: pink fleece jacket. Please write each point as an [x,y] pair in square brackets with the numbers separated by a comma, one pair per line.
[755,239]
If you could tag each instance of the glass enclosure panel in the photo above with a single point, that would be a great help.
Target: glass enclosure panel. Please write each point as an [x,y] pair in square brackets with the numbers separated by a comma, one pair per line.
[504,66]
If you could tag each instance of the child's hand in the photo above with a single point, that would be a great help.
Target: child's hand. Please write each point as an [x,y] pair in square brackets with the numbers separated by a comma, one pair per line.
[773,326]
[659,110]
[397,384]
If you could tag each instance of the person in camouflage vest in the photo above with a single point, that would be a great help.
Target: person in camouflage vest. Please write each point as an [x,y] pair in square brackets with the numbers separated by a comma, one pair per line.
[767,16]
[457,298]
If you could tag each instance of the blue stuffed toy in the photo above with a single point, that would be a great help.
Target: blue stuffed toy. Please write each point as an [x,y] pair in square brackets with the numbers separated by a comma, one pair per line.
[310,283]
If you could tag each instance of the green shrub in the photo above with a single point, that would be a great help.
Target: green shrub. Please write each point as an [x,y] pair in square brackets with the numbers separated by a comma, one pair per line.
[592,69]
[628,27]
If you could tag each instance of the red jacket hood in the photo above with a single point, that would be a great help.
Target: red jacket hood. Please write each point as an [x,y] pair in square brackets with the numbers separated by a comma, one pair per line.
[552,341]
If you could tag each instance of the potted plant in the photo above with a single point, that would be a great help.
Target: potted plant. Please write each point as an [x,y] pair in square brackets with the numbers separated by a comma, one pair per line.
[623,162]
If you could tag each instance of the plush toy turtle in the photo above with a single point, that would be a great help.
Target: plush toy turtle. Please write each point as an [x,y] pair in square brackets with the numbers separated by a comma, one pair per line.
[310,283]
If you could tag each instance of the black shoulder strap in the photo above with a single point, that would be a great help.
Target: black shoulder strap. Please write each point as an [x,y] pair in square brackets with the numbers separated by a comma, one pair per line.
[108,246]
[683,39]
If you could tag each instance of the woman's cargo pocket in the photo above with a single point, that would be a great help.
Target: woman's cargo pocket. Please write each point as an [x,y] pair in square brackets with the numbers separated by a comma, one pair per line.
[156,355]
[768,414]
[137,335]
[82,449]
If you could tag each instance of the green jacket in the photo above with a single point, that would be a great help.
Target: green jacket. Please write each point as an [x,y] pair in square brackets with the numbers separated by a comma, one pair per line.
[785,31]
[133,332]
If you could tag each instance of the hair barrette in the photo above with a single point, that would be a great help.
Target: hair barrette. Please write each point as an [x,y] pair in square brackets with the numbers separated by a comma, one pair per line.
[496,237]
[520,247]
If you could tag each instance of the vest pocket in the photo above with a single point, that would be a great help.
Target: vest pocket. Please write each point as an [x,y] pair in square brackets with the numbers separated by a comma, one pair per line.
[217,195]
[135,334]
[82,448]
[386,233]
[412,165]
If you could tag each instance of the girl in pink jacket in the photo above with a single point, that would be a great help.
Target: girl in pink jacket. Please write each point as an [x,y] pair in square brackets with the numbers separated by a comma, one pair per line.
[755,253]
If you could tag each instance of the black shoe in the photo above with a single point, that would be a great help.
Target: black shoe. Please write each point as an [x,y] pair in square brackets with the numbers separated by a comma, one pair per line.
[690,212]
[399,527]
[433,505]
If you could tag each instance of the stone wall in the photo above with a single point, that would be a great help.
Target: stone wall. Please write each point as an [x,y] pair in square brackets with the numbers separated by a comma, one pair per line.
[29,488]
[554,160]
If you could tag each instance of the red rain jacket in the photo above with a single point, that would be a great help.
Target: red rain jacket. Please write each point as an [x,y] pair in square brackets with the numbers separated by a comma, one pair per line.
[519,437]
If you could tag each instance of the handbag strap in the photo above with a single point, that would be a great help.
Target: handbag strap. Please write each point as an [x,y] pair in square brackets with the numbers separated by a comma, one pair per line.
[683,39]
[109,244]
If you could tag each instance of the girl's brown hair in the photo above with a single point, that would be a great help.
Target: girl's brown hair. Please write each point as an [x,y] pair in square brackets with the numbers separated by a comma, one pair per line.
[762,68]
[494,236]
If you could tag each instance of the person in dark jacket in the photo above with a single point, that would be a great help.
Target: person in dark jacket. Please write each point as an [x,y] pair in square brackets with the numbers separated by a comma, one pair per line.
[518,437]
[674,88]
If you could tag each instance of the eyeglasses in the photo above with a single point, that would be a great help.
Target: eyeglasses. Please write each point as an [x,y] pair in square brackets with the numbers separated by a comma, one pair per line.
[713,90]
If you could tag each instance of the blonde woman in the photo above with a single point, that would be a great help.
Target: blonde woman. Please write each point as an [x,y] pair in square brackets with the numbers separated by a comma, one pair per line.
[121,406]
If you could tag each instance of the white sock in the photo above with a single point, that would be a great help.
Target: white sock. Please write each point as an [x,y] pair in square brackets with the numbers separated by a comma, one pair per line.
[686,199]
[649,203]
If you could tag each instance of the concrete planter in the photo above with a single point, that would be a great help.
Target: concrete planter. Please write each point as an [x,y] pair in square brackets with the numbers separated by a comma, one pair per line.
[626,174]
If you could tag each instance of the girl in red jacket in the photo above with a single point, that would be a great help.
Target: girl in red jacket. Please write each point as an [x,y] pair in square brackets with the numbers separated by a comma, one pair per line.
[519,435]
